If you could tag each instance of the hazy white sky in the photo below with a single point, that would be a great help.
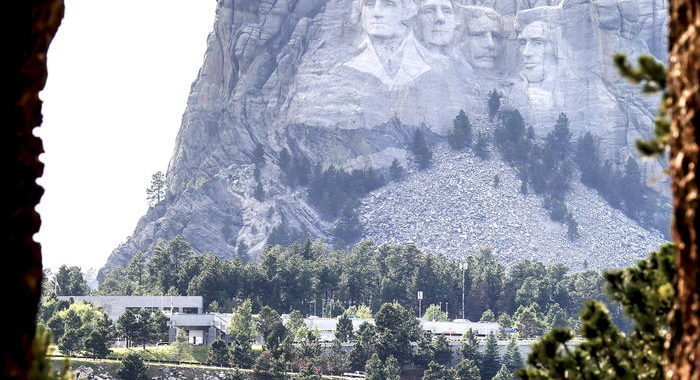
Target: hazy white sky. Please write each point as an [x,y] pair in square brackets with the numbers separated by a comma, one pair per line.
[119,77]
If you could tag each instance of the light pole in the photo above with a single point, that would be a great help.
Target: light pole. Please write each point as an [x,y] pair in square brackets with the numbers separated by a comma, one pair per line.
[447,310]
[463,268]
[420,303]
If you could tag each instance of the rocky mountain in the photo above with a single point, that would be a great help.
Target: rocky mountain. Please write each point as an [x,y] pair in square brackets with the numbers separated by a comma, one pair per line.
[346,83]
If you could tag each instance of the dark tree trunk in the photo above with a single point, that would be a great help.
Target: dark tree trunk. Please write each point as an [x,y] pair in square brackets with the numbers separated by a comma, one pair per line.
[683,343]
[30,26]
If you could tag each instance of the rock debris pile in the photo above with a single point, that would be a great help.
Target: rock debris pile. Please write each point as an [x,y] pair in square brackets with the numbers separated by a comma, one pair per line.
[454,208]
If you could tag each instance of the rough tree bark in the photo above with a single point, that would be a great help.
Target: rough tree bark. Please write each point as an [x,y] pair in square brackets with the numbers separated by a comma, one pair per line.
[683,104]
[30,26]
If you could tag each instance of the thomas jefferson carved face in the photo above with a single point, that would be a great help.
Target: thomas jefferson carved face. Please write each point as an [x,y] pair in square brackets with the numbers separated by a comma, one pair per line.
[537,50]
[483,40]
[436,22]
[384,18]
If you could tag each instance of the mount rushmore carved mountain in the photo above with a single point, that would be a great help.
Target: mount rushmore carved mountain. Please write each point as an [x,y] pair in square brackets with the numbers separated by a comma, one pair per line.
[319,88]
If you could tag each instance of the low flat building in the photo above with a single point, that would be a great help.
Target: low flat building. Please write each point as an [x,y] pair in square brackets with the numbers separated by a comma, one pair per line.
[115,306]
[201,329]
[204,329]
[454,330]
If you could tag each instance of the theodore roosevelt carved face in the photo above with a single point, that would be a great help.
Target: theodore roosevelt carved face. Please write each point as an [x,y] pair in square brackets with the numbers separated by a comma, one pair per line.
[483,37]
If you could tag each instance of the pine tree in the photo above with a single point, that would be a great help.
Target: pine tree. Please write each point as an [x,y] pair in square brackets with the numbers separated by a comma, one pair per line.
[461,135]
[557,142]
[71,342]
[572,229]
[348,228]
[273,332]
[632,188]
[481,148]
[241,329]
[503,374]
[465,370]
[469,347]
[70,281]
[492,360]
[219,353]
[344,331]
[512,358]
[436,371]
[310,373]
[442,353]
[528,321]
[488,316]
[335,359]
[645,293]
[421,152]
[434,313]
[132,368]
[259,192]
[396,170]
[181,347]
[424,349]
[556,316]
[268,367]
[392,369]
[128,327]
[374,368]
[494,103]
[396,328]
[586,157]
[358,356]
[156,191]
[96,344]
[259,155]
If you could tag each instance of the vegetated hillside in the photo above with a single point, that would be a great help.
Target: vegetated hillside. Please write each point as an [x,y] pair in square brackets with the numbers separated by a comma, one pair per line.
[454,207]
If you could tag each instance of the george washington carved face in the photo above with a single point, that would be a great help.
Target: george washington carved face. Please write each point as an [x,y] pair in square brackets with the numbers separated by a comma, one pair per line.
[384,18]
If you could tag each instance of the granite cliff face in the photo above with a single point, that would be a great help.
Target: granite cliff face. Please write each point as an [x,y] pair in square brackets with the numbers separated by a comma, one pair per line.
[346,83]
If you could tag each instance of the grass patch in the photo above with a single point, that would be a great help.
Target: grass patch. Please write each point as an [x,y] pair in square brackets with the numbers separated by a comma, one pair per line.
[198,353]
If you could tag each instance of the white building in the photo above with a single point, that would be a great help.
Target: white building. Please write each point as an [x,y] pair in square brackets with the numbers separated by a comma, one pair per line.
[455,330]
[203,329]
[115,306]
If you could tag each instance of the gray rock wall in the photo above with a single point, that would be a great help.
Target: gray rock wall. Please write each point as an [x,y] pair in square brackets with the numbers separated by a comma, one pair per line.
[346,82]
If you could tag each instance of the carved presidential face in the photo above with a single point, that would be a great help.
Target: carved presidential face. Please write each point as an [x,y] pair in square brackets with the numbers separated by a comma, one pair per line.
[483,41]
[436,22]
[606,14]
[384,18]
[537,50]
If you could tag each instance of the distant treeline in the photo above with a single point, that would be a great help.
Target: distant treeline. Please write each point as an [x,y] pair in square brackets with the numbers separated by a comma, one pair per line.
[312,276]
